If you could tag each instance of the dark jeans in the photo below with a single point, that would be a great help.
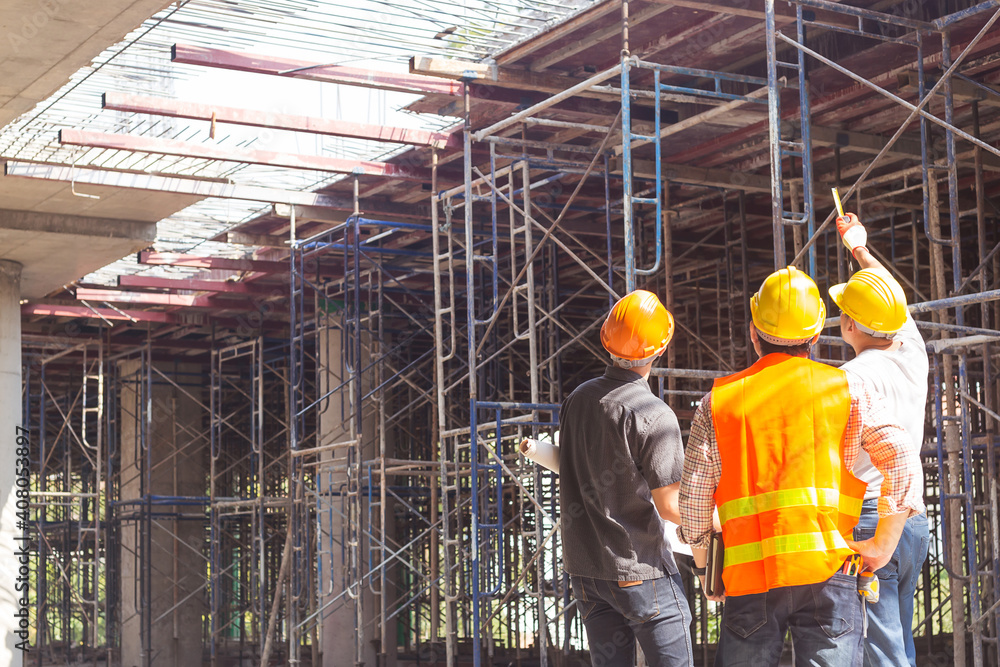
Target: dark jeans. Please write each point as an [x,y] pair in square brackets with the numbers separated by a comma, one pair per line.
[825,621]
[654,612]
[890,620]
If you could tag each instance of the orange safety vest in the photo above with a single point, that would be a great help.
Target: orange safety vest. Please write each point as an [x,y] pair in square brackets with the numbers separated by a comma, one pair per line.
[786,500]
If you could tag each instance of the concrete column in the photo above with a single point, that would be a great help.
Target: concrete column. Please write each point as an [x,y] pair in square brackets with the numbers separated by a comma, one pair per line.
[340,628]
[170,559]
[10,419]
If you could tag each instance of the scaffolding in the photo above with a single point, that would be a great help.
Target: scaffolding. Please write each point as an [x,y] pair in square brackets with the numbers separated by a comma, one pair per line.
[359,457]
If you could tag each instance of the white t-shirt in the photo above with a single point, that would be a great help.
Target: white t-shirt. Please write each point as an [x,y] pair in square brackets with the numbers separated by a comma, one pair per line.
[900,376]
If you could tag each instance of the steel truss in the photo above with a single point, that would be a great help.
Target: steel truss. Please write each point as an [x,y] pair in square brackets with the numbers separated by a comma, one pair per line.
[967,504]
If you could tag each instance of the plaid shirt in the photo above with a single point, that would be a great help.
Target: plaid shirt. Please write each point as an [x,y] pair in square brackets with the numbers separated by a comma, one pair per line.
[869,426]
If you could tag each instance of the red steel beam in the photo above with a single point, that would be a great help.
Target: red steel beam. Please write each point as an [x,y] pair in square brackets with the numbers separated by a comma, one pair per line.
[303,69]
[126,142]
[61,310]
[225,286]
[163,106]
[149,298]
[175,300]
[407,83]
[222,263]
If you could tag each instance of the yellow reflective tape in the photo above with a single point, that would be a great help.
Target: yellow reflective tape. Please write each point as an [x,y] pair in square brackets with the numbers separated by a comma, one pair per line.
[784,544]
[805,496]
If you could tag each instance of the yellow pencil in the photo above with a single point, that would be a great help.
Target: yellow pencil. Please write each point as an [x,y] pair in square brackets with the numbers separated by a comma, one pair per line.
[836,200]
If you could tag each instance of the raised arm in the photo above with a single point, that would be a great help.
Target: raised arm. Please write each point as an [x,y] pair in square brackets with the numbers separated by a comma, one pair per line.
[855,237]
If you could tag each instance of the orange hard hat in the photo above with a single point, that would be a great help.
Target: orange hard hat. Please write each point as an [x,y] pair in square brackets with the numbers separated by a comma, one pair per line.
[637,327]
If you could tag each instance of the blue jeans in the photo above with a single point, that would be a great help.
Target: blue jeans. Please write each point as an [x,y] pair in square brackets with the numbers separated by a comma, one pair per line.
[890,620]
[654,612]
[825,620]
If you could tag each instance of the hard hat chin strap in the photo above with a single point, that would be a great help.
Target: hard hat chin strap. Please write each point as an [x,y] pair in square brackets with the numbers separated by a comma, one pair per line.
[872,332]
[635,363]
[784,342]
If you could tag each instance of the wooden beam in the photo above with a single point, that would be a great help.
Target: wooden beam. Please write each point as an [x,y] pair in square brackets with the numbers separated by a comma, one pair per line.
[960,89]
[557,32]
[684,37]
[501,77]
[127,142]
[754,9]
[494,102]
[325,215]
[262,240]
[861,142]
[832,103]
[309,213]
[685,173]
[873,144]
[578,46]
[162,106]
[727,9]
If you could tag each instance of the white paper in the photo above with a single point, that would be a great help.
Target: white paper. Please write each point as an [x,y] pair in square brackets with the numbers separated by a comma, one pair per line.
[674,542]
[542,452]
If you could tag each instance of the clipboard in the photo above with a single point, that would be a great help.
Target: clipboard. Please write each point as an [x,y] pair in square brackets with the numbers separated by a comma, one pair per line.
[713,568]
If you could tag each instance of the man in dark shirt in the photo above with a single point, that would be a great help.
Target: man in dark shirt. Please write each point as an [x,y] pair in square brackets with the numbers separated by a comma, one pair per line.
[620,464]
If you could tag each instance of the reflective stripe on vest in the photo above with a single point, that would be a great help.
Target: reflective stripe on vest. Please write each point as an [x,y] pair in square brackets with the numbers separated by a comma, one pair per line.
[773,500]
[786,500]
[796,543]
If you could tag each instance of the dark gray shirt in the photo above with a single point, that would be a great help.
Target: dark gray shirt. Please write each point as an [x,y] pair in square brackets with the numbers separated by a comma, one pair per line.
[617,440]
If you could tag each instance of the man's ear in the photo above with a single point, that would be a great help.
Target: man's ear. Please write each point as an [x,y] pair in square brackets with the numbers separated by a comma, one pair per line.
[814,340]
[754,341]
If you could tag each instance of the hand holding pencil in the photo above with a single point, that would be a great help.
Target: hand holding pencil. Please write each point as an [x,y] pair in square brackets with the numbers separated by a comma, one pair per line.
[852,232]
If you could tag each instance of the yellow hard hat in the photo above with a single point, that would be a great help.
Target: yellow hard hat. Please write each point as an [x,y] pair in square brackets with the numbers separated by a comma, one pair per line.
[874,300]
[787,309]
[637,327]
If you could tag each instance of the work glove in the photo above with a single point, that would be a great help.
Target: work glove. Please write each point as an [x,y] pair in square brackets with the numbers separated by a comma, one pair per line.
[852,232]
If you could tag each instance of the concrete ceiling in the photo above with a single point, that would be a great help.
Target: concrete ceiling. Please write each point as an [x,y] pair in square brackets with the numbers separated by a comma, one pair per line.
[59,236]
[60,232]
[44,43]
[27,194]
[56,249]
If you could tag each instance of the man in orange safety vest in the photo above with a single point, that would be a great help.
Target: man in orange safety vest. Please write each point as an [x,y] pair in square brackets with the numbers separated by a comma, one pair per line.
[772,447]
